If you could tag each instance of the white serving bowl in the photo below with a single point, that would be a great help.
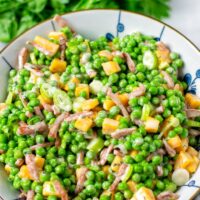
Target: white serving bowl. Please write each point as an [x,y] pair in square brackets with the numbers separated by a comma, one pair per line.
[95,23]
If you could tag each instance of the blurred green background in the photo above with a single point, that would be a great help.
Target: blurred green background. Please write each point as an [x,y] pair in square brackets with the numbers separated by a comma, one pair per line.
[18,15]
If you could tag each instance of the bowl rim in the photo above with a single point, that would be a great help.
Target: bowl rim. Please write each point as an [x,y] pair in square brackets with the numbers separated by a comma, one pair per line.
[106,9]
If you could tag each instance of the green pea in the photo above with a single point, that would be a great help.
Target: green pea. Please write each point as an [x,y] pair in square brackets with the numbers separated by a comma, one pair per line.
[136,177]
[160,185]
[118,196]
[156,160]
[40,151]
[44,176]
[91,190]
[52,197]
[40,139]
[105,185]
[71,159]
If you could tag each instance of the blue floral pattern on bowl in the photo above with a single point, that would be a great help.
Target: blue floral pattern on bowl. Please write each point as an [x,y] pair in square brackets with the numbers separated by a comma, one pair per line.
[192,84]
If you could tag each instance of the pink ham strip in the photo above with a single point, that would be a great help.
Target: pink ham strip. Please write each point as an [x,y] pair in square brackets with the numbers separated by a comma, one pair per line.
[30,68]
[25,129]
[30,162]
[60,190]
[30,195]
[168,79]
[22,99]
[159,171]
[194,132]
[38,112]
[169,149]
[81,179]
[62,22]
[19,162]
[140,91]
[22,57]
[129,61]
[62,43]
[80,157]
[117,101]
[191,113]
[76,116]
[167,195]
[117,152]
[118,53]
[160,109]
[122,132]
[160,152]
[47,144]
[54,128]
[104,154]
[121,171]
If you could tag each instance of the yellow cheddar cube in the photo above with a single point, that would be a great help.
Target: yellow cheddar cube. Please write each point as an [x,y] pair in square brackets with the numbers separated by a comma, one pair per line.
[106,53]
[39,161]
[25,173]
[105,169]
[192,100]
[83,124]
[151,125]
[124,99]
[49,189]
[118,117]
[192,167]
[116,163]
[55,35]
[44,100]
[175,142]
[57,65]
[132,186]
[82,88]
[192,151]
[108,104]
[133,153]
[109,125]
[111,67]
[144,193]
[7,168]
[50,47]
[183,160]
[90,104]
[184,145]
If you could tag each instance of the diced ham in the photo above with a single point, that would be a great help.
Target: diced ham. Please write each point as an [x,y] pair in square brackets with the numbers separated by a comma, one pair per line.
[167,195]
[117,101]
[81,178]
[159,171]
[22,57]
[60,21]
[28,114]
[57,142]
[55,127]
[138,122]
[76,116]
[38,112]
[22,99]
[120,173]
[47,144]
[1,151]
[62,43]
[32,69]
[168,79]
[104,154]
[130,63]
[25,129]
[117,152]
[19,162]
[192,113]
[60,190]
[91,73]
[169,149]
[194,132]
[118,53]
[30,195]
[140,91]
[160,109]
[122,132]
[56,110]
[30,162]
[80,157]
[159,152]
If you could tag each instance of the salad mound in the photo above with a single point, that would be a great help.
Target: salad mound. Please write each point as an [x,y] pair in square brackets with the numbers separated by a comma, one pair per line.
[100,119]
